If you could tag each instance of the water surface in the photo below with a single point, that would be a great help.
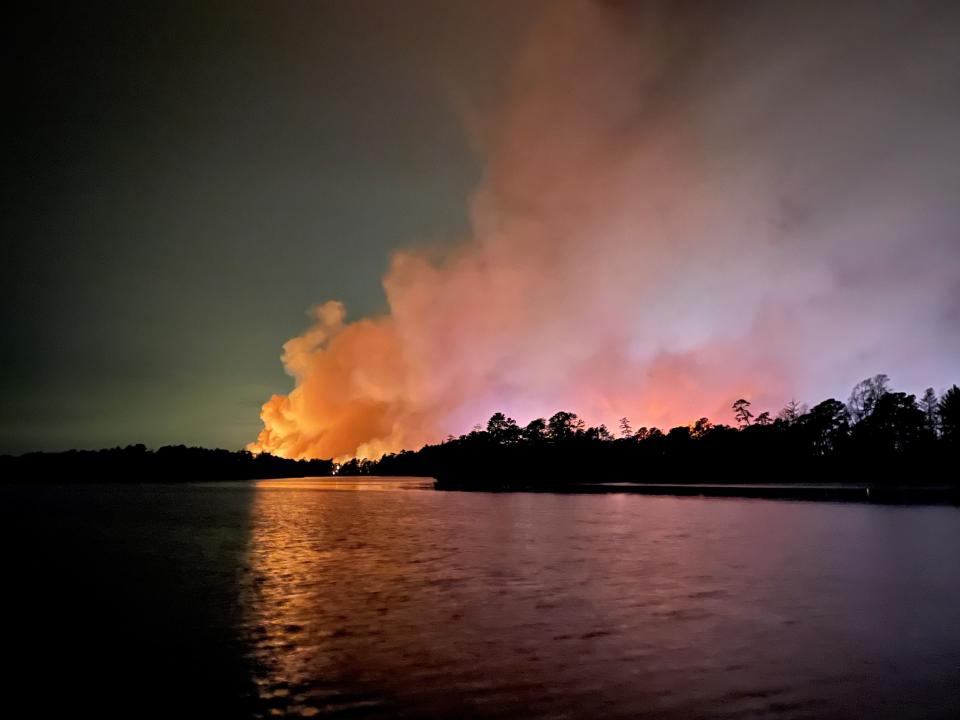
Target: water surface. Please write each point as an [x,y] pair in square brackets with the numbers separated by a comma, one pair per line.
[383,598]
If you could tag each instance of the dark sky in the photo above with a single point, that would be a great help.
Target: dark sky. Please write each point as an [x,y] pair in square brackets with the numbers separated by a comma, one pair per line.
[182,181]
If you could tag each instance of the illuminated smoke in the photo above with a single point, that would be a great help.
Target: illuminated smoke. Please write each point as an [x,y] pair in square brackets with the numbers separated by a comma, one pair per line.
[681,206]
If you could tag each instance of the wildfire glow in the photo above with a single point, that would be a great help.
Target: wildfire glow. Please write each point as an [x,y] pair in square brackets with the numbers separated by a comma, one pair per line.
[640,247]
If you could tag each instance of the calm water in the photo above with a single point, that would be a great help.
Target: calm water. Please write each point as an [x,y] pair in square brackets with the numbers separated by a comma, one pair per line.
[385,599]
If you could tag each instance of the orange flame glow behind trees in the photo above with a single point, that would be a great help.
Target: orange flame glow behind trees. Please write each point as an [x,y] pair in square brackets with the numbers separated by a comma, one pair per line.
[631,255]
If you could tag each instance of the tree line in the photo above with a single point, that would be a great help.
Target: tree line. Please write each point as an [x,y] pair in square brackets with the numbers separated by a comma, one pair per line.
[877,436]
[171,463]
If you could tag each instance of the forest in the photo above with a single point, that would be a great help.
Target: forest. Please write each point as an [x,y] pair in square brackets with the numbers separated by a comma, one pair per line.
[170,463]
[878,436]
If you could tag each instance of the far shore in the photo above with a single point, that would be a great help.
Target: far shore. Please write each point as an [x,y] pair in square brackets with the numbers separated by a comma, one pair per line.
[843,492]
[878,493]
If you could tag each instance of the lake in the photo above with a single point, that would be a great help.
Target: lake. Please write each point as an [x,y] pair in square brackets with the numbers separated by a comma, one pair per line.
[384,598]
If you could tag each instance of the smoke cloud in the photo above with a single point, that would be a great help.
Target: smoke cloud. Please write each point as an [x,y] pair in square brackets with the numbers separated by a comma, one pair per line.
[683,203]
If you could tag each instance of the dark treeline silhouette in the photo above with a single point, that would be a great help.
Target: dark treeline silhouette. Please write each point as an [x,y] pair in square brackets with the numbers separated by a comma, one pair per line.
[172,463]
[878,437]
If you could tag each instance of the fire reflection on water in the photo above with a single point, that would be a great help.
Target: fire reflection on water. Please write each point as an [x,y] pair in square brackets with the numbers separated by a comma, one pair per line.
[301,590]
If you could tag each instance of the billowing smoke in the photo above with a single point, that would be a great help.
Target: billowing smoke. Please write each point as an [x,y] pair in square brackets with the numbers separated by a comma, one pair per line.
[683,203]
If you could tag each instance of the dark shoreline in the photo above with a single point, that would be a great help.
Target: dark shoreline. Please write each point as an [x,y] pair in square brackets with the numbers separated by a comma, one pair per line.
[879,493]
[861,493]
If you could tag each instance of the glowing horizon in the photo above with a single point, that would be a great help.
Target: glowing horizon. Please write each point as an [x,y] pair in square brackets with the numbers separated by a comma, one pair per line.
[658,233]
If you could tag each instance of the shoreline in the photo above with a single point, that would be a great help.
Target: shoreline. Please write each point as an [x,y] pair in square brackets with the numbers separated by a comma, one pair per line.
[862,493]
[879,494]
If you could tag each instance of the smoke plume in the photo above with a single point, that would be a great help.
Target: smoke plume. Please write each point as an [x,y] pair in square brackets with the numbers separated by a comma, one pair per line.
[683,203]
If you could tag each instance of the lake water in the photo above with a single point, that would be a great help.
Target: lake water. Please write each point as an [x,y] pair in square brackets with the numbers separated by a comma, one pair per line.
[383,598]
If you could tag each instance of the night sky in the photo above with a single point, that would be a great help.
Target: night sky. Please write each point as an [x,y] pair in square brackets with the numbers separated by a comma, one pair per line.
[613,207]
[182,181]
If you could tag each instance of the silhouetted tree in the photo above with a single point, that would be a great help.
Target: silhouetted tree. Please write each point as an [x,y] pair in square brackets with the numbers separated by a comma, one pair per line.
[502,429]
[930,405]
[791,412]
[535,431]
[701,427]
[950,416]
[355,467]
[865,395]
[625,430]
[678,439]
[598,433]
[563,425]
[763,419]
[741,412]
[895,425]
[826,426]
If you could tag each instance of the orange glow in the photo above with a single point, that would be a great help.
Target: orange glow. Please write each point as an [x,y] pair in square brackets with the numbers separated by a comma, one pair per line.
[605,275]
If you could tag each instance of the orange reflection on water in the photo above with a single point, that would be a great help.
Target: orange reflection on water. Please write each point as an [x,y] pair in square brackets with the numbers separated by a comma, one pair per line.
[309,546]
[352,484]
